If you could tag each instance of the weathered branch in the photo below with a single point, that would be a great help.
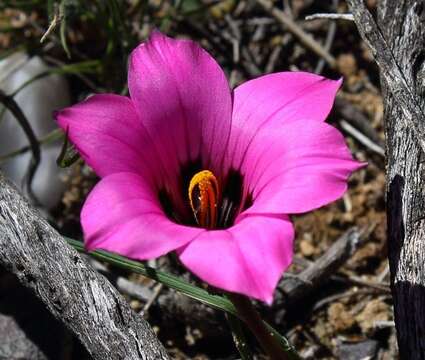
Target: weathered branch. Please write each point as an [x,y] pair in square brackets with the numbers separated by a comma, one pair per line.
[70,288]
[390,68]
[312,277]
[398,46]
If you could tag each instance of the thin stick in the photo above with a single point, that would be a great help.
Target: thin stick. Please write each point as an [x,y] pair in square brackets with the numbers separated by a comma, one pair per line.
[361,138]
[57,18]
[328,42]
[295,29]
[348,17]
[156,292]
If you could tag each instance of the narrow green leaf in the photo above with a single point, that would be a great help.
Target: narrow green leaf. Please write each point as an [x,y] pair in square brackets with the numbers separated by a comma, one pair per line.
[169,280]
[76,69]
[52,136]
[174,282]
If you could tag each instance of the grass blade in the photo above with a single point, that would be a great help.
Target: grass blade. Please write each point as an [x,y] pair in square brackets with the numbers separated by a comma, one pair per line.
[169,280]
[174,282]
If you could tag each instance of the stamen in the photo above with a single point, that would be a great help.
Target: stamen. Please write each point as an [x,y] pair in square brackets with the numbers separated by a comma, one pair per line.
[203,198]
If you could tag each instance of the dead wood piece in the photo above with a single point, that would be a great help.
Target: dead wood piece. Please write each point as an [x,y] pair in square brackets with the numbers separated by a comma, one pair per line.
[70,288]
[322,269]
[396,79]
[399,50]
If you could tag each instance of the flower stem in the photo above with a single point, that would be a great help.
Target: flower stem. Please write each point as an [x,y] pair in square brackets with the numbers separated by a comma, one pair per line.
[239,338]
[252,319]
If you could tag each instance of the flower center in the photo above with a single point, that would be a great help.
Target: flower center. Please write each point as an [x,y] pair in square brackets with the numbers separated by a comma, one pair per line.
[203,197]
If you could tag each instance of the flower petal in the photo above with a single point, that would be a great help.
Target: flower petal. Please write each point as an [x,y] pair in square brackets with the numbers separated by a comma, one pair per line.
[248,258]
[274,100]
[300,168]
[183,98]
[107,132]
[122,214]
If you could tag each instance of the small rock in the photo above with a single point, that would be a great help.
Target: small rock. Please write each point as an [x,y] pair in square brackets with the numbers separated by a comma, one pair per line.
[365,350]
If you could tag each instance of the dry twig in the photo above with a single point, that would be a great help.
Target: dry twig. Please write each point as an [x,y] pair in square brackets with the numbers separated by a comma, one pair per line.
[348,17]
[322,268]
[362,138]
[295,29]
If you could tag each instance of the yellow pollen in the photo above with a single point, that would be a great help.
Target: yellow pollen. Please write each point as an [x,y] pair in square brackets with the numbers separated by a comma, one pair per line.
[203,198]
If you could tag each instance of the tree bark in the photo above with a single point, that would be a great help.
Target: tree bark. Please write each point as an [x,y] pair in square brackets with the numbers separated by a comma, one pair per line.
[398,40]
[70,288]
[403,25]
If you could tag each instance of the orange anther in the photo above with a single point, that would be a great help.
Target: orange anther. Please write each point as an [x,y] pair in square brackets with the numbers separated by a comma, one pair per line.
[203,197]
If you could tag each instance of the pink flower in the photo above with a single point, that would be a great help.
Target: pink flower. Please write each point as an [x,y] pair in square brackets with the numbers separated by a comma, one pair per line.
[266,148]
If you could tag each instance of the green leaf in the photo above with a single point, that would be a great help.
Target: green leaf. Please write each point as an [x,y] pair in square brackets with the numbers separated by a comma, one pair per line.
[74,69]
[52,136]
[174,282]
[169,280]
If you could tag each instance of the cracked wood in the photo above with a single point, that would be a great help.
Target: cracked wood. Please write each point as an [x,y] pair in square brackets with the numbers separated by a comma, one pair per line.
[70,288]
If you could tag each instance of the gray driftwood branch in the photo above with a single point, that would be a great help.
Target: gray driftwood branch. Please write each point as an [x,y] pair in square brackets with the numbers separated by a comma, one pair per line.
[397,42]
[70,288]
[323,268]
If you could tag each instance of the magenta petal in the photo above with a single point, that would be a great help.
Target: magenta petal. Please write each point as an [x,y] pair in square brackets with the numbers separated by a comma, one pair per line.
[277,99]
[183,98]
[248,258]
[122,215]
[107,132]
[300,168]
